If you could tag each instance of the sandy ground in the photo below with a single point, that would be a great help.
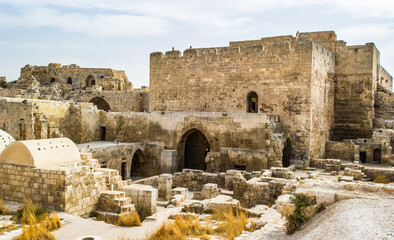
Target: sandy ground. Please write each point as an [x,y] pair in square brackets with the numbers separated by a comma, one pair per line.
[77,228]
[347,219]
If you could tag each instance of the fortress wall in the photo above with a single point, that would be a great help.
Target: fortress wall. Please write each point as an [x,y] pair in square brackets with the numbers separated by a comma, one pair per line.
[354,91]
[219,79]
[322,99]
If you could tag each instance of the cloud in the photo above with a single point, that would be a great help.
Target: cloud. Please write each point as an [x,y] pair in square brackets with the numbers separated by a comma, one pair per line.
[105,18]
[366,32]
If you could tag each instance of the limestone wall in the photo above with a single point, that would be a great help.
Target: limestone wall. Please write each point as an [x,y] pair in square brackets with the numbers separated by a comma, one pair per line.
[107,78]
[340,150]
[248,136]
[385,79]
[354,91]
[219,79]
[74,190]
[322,99]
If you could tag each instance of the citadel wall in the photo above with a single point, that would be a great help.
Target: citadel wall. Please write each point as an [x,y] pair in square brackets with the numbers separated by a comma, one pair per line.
[219,79]
[355,83]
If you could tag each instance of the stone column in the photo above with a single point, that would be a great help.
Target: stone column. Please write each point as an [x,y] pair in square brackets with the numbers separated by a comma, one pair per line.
[165,186]
[168,161]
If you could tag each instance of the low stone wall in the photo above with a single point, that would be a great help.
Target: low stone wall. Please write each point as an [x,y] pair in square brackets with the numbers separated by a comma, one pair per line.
[194,180]
[151,181]
[340,150]
[333,164]
[143,197]
[260,190]
[74,190]
[373,172]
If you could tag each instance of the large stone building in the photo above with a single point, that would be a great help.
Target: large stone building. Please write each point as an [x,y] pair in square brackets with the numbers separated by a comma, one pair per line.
[320,88]
[251,105]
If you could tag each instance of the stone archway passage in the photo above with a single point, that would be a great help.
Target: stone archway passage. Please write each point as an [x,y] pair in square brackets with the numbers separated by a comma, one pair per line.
[100,103]
[137,165]
[287,153]
[196,149]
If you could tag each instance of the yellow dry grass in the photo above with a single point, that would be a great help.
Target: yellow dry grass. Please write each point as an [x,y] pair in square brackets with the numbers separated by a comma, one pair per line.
[181,228]
[381,179]
[130,220]
[35,231]
[3,209]
[233,222]
[36,223]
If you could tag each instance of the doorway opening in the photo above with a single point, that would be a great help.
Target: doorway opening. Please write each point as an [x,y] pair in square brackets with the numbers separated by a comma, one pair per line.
[103,133]
[363,157]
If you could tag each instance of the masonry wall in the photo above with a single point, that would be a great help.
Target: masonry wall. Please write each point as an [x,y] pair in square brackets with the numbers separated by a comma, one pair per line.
[322,99]
[246,136]
[42,119]
[355,83]
[74,190]
[107,78]
[219,79]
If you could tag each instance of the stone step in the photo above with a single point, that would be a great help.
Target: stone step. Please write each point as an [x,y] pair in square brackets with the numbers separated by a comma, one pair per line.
[162,203]
[112,194]
[120,184]
[127,208]
[124,201]
[226,192]
[116,179]
[108,172]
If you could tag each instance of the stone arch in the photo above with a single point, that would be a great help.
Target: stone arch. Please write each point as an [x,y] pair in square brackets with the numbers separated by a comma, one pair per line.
[252,102]
[69,80]
[90,81]
[377,155]
[137,165]
[100,103]
[192,149]
[288,153]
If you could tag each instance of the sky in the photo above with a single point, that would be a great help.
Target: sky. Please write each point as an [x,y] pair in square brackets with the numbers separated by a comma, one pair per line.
[121,34]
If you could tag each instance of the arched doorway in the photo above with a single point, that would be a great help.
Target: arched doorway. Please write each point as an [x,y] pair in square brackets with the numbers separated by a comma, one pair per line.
[90,81]
[252,102]
[137,165]
[193,148]
[287,153]
[377,155]
[100,103]
[69,81]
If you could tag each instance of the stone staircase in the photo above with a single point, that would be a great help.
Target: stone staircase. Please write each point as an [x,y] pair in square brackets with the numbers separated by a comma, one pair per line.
[112,205]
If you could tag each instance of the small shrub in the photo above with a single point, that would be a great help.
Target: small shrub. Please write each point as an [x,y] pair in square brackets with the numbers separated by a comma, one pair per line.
[130,220]
[93,214]
[172,187]
[294,222]
[381,179]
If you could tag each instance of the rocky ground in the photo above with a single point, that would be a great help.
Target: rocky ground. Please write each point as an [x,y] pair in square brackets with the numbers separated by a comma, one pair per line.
[347,219]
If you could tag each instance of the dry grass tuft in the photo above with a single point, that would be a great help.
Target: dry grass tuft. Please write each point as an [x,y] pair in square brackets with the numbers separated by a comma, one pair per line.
[381,179]
[182,228]
[233,222]
[51,222]
[130,220]
[30,209]
[3,210]
[35,231]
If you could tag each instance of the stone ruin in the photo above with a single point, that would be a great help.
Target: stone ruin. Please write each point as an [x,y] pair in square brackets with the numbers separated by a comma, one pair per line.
[240,126]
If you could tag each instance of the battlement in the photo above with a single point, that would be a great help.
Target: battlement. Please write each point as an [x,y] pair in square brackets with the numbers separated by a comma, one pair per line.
[231,50]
